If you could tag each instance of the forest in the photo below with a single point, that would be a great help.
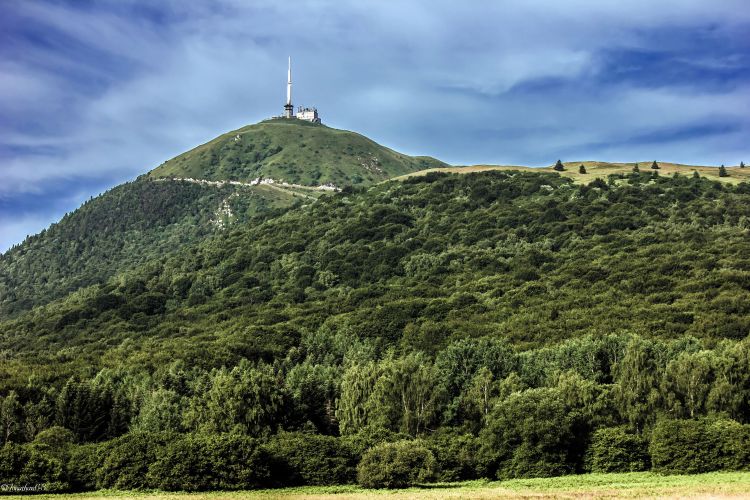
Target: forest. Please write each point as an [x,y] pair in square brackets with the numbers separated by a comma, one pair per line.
[446,327]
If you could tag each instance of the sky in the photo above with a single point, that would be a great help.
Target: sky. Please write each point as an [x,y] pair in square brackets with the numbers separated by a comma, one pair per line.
[94,93]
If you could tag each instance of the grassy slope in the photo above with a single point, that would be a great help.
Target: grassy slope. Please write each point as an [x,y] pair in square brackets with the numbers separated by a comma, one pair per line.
[600,169]
[629,485]
[293,151]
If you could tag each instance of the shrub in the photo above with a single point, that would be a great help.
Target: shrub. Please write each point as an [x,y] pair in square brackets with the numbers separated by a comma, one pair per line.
[532,433]
[613,449]
[126,460]
[56,438]
[83,461]
[695,446]
[396,465]
[455,454]
[312,459]
[29,465]
[200,462]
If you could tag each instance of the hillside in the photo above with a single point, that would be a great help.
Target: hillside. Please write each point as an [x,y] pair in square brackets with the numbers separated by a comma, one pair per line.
[510,247]
[293,151]
[172,205]
[492,325]
[602,170]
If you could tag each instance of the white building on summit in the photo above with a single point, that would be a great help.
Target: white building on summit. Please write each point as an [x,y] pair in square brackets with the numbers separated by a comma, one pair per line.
[303,113]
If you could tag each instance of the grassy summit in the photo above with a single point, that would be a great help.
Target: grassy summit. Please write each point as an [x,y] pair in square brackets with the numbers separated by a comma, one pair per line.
[293,151]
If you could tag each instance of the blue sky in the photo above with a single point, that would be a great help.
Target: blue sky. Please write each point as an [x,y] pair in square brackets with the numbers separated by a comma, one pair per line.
[93,93]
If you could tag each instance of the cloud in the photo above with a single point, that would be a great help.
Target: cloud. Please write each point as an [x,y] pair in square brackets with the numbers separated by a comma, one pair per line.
[97,93]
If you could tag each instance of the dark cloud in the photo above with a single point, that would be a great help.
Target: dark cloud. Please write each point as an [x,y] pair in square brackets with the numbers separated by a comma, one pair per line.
[94,93]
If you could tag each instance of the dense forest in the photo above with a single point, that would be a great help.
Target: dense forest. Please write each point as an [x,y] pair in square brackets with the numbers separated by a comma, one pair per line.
[118,230]
[497,324]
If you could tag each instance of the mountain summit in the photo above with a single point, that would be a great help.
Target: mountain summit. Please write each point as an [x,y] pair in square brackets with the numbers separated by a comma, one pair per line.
[295,152]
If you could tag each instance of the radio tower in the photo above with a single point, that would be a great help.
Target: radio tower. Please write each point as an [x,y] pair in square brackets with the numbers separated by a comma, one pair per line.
[288,108]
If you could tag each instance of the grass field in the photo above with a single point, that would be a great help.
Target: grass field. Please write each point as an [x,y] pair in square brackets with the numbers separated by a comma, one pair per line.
[632,485]
[601,170]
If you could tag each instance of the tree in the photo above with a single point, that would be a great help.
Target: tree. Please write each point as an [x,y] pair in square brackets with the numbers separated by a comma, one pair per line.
[687,382]
[160,411]
[655,166]
[742,164]
[10,418]
[581,169]
[529,434]
[636,169]
[723,172]
[357,385]
[559,166]
[482,393]
[247,399]
[403,396]
[636,381]
[696,175]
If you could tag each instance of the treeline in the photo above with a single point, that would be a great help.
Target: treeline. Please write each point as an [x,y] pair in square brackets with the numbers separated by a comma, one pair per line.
[480,408]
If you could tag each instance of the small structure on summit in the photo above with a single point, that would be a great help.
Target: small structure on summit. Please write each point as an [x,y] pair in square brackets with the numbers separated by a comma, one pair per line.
[309,114]
[303,113]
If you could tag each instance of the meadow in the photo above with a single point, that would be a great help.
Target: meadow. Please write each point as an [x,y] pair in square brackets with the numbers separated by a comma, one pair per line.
[625,485]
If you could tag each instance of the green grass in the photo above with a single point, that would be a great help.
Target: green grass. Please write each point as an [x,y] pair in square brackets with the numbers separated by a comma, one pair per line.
[629,485]
[296,152]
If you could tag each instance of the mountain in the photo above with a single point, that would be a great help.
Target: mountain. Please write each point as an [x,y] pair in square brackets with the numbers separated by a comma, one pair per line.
[296,152]
[527,256]
[187,199]
[498,324]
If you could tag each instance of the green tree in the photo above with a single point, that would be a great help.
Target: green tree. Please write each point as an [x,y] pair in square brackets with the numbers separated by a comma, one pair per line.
[742,164]
[636,169]
[730,392]
[637,377]
[246,399]
[559,167]
[160,411]
[655,166]
[314,389]
[482,393]
[357,386]
[723,171]
[581,169]
[529,434]
[687,382]
[10,418]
